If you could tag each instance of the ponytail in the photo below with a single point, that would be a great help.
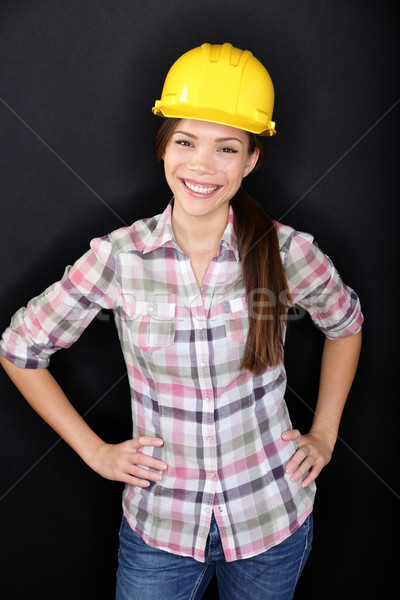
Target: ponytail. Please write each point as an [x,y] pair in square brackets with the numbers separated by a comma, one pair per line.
[265,283]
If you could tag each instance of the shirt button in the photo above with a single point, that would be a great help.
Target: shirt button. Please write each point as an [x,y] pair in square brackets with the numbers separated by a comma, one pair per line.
[150,309]
[203,363]
[220,508]
[209,438]
[207,399]
[212,475]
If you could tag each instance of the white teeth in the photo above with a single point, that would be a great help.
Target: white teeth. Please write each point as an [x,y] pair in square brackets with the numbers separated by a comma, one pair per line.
[199,190]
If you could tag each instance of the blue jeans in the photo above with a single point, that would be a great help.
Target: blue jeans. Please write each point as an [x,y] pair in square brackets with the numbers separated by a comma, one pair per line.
[145,573]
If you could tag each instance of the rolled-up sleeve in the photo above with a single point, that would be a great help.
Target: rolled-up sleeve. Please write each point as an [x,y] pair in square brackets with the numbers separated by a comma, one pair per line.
[316,286]
[56,318]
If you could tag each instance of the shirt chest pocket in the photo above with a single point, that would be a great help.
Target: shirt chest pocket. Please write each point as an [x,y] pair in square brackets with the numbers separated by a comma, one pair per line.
[151,326]
[236,320]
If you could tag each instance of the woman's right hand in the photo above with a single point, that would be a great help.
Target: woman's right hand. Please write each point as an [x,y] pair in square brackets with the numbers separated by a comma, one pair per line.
[124,462]
[118,462]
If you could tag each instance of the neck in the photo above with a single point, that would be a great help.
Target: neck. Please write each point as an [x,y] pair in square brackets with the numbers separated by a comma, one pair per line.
[199,235]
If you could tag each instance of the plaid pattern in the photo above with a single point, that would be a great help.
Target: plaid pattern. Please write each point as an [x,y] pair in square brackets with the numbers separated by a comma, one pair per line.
[221,427]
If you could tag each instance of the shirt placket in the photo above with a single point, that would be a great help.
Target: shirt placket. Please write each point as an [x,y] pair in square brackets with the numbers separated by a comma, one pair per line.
[199,304]
[216,270]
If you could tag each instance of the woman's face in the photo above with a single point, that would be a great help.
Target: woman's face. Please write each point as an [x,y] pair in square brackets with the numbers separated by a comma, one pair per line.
[205,164]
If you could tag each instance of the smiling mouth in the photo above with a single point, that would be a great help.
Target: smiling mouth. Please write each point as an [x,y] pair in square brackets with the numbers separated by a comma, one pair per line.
[200,189]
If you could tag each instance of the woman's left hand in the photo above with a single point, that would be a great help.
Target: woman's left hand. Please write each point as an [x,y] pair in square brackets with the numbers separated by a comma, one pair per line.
[313,453]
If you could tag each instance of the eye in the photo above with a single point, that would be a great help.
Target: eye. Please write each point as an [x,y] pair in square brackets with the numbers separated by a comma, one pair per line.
[228,149]
[185,143]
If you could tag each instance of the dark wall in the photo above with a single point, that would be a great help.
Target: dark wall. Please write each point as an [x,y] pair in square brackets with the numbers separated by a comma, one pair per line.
[77,82]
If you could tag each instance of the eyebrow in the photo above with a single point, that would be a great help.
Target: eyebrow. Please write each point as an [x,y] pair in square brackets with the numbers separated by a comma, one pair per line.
[225,139]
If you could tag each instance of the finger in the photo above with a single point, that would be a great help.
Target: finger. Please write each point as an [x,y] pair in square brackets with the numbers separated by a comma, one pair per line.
[139,477]
[143,483]
[291,434]
[148,461]
[146,440]
[295,461]
[302,469]
[315,471]
[144,473]
[138,444]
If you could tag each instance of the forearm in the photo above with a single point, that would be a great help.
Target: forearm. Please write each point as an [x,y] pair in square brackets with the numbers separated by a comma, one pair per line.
[47,398]
[118,462]
[338,368]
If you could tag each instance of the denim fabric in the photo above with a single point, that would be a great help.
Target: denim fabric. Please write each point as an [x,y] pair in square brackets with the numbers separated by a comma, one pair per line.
[145,573]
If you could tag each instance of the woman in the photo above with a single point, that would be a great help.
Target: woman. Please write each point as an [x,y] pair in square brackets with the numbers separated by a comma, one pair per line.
[216,478]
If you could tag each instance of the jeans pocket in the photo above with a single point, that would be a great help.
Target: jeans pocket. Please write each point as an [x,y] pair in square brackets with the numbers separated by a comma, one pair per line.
[307,530]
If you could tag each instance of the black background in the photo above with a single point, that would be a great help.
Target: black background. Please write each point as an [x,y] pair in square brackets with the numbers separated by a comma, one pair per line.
[77,82]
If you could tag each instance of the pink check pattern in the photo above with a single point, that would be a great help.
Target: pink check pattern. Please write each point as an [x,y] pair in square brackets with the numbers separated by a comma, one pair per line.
[221,426]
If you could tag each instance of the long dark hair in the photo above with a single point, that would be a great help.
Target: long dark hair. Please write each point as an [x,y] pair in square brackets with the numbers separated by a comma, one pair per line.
[264,277]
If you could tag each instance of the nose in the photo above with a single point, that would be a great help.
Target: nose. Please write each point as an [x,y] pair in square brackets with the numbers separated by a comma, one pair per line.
[202,162]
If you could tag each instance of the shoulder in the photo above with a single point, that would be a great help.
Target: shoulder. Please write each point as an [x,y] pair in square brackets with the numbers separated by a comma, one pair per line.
[294,244]
[125,239]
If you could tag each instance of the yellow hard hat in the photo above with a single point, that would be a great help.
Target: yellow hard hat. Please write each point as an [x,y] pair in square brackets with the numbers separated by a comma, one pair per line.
[222,84]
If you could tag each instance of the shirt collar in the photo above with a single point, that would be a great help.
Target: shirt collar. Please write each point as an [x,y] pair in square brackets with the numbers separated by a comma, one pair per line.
[163,233]
[229,239]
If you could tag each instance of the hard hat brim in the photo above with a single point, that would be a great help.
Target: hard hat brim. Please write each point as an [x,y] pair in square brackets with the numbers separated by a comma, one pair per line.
[214,116]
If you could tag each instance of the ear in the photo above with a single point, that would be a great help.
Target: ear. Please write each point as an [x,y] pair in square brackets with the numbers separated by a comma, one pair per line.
[251,162]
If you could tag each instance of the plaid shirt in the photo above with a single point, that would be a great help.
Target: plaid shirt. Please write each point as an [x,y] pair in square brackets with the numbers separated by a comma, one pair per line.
[221,426]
